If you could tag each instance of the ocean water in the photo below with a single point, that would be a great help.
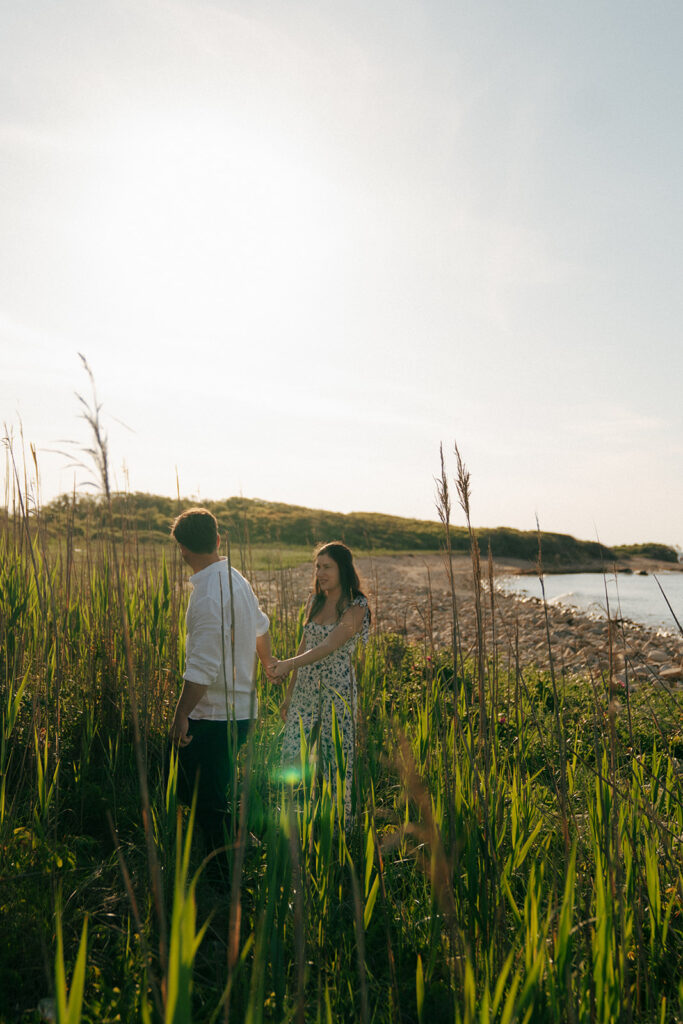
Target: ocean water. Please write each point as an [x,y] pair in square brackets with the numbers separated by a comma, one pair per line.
[637,598]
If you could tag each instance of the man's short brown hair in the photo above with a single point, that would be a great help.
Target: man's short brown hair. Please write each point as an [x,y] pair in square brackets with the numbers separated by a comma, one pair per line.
[197,530]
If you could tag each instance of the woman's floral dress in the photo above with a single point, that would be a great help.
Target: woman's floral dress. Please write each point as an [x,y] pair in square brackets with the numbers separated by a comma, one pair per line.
[319,687]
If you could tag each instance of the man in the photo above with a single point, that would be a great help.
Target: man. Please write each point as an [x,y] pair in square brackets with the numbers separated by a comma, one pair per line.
[226,629]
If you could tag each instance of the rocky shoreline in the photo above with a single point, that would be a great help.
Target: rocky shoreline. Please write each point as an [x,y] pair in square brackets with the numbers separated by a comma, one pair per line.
[410,596]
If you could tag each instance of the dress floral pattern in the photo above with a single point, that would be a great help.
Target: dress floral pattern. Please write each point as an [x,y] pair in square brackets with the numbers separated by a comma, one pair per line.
[319,687]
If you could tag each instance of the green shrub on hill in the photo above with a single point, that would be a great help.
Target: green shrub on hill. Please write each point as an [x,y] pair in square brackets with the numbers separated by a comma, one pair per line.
[660,552]
[250,521]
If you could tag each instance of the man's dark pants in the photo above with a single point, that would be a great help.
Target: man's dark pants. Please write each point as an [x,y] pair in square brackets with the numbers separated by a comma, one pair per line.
[208,761]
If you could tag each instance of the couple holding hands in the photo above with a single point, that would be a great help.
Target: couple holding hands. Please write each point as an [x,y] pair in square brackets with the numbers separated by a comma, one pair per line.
[226,628]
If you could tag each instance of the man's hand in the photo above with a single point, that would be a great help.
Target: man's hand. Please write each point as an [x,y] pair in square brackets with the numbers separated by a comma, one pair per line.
[189,696]
[179,732]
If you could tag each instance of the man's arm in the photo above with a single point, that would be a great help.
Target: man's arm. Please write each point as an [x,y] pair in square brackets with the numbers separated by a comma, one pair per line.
[264,652]
[189,698]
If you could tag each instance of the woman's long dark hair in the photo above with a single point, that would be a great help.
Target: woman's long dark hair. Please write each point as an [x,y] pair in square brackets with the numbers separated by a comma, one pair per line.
[348,579]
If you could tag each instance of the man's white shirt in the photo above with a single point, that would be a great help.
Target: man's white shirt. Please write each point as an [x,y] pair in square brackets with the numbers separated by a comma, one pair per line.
[208,652]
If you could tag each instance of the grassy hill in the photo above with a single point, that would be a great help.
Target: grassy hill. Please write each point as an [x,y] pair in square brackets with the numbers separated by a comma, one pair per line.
[251,521]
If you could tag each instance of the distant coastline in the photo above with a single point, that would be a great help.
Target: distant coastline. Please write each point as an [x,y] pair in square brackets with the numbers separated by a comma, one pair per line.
[636,565]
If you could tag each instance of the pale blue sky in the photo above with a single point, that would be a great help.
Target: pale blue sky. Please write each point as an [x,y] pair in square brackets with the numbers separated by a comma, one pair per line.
[302,243]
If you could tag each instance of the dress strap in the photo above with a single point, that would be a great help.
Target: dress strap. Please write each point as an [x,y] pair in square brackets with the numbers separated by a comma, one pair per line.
[361,601]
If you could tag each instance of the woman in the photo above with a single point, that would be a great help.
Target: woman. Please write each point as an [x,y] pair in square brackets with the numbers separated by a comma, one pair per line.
[336,614]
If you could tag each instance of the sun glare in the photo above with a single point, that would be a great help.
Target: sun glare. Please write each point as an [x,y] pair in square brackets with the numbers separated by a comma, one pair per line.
[192,215]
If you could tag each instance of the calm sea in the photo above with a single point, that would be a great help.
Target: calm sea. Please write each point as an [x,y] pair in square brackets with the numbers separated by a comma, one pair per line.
[631,597]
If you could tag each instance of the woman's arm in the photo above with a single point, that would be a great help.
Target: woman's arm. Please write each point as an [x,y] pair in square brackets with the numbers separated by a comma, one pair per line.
[349,625]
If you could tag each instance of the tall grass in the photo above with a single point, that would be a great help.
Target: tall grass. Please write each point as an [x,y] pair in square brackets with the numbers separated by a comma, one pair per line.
[515,852]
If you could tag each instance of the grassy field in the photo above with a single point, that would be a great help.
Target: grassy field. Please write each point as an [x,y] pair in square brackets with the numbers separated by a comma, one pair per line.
[515,852]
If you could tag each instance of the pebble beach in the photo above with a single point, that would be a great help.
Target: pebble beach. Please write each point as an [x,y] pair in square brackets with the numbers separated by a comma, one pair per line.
[410,596]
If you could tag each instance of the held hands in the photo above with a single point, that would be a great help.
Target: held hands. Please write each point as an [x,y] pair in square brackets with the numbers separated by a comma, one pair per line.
[276,671]
[280,669]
